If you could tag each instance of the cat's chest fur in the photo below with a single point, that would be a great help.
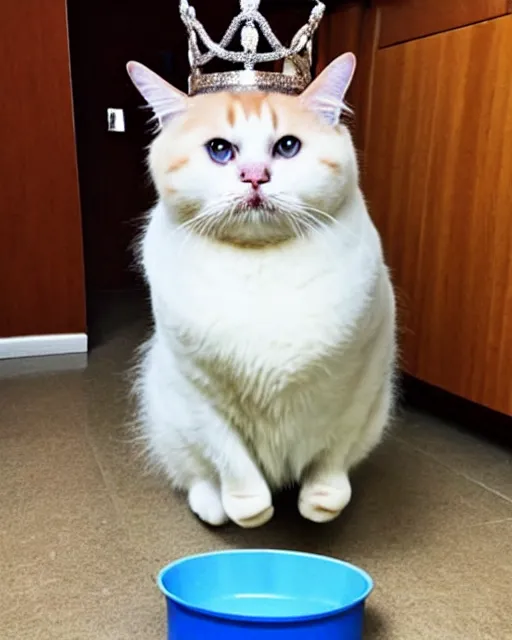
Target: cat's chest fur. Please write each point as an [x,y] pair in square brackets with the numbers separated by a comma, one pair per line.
[255,313]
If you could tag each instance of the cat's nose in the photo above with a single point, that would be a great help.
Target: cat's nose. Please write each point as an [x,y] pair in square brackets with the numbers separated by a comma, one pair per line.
[256,174]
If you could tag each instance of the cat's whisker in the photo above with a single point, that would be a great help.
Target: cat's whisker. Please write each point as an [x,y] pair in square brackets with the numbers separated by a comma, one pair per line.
[310,211]
[331,219]
[296,225]
[212,224]
[209,211]
[231,214]
[293,216]
[188,228]
[317,224]
[346,230]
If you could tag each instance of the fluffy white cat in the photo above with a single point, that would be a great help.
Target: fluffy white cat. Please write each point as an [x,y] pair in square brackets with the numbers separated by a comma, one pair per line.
[272,357]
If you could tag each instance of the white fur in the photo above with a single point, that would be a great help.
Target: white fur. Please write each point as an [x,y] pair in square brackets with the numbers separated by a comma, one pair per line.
[270,364]
[265,362]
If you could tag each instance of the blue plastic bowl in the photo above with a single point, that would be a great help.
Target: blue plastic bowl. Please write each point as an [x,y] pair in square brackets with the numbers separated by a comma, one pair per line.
[267,595]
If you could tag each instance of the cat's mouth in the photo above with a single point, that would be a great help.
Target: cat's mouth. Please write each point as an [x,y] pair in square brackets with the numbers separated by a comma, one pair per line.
[251,219]
[255,201]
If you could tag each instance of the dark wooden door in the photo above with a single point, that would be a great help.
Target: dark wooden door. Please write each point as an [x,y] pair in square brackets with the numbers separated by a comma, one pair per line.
[115,189]
[41,266]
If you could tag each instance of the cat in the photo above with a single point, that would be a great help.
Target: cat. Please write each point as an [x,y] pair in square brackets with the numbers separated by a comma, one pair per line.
[272,357]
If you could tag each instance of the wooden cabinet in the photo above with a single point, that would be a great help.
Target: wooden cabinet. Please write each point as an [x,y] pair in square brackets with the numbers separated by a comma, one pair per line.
[404,20]
[435,127]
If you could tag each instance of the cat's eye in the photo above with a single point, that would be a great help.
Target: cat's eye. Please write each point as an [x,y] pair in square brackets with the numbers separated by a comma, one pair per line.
[287,147]
[220,150]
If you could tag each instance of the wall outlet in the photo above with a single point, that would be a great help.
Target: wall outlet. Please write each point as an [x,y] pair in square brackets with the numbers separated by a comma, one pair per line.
[116,120]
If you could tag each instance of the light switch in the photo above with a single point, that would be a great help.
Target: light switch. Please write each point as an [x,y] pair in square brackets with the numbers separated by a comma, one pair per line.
[116,120]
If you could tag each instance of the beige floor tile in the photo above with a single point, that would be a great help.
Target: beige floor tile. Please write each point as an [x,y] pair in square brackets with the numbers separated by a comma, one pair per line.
[84,530]
[459,589]
[465,453]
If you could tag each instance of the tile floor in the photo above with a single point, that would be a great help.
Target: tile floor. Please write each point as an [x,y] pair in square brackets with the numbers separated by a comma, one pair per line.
[84,530]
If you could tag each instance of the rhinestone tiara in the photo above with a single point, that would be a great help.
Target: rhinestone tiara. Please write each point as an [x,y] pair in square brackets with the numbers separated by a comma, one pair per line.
[250,23]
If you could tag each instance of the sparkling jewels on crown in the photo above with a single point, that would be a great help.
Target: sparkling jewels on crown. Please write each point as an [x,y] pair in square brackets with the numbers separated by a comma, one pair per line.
[250,24]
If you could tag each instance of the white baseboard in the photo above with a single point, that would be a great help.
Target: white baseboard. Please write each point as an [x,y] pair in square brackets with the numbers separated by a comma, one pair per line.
[48,345]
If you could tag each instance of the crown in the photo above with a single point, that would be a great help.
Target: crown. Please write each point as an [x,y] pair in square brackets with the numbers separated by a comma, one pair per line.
[250,23]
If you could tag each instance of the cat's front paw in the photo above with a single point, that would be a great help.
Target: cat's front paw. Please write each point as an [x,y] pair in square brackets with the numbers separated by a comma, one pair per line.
[322,502]
[248,509]
[205,501]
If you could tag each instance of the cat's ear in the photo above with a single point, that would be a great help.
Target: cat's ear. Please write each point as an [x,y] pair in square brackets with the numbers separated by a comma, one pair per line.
[166,101]
[326,94]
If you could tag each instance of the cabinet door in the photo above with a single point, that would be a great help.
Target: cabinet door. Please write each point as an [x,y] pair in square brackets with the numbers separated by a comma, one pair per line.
[438,177]
[403,20]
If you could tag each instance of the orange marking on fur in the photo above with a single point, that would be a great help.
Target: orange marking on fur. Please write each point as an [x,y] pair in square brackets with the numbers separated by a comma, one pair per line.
[231,114]
[275,119]
[251,103]
[177,163]
[335,166]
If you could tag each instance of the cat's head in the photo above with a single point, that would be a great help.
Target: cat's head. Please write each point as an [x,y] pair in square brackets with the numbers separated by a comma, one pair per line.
[252,167]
